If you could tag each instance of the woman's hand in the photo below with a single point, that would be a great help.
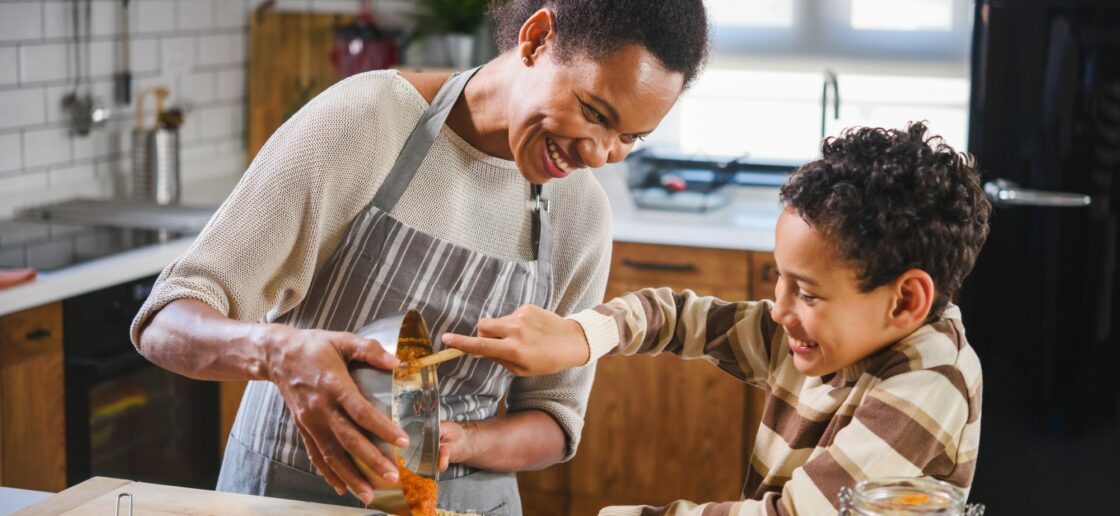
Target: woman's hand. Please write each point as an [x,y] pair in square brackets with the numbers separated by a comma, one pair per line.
[530,341]
[310,369]
[454,443]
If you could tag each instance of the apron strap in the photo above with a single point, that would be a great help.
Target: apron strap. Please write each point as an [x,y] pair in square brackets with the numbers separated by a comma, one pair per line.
[421,139]
[416,149]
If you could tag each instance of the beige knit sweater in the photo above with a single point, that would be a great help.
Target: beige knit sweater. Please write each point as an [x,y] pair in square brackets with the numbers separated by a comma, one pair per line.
[255,259]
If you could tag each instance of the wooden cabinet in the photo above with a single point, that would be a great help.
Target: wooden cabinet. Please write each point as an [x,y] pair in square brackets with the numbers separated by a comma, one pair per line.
[32,400]
[660,429]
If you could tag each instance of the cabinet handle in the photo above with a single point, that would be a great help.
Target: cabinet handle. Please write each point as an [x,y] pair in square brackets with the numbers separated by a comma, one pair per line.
[38,334]
[656,266]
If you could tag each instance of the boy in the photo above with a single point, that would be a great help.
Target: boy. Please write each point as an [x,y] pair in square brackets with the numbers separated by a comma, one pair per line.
[862,355]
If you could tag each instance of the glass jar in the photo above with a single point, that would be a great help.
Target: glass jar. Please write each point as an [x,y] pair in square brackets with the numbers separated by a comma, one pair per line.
[904,497]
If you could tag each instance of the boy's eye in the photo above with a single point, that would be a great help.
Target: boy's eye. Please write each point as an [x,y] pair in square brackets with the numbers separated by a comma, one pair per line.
[806,298]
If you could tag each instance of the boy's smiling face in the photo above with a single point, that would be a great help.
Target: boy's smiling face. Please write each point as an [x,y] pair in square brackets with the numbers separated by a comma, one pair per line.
[831,324]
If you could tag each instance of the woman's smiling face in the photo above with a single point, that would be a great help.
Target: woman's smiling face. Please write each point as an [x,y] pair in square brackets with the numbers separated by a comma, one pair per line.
[574,113]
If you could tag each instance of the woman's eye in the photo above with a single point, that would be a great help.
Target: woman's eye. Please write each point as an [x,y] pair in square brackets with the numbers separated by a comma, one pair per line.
[594,115]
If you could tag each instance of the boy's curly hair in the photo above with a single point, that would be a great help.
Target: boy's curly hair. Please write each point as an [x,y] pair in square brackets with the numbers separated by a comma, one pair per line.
[895,200]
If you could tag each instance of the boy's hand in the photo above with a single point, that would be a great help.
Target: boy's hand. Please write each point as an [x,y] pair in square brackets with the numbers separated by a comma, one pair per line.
[531,341]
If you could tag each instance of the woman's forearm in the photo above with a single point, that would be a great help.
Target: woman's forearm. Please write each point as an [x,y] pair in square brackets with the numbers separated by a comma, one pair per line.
[191,338]
[522,441]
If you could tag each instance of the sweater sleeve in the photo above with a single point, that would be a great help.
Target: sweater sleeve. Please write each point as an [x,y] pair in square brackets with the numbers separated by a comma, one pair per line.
[909,425]
[564,395]
[256,257]
[739,337]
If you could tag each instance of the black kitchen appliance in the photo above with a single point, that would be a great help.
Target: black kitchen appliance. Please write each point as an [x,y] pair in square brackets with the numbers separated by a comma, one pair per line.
[1042,307]
[125,417]
[670,180]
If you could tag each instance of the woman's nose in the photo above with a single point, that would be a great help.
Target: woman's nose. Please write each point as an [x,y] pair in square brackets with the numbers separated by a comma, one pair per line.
[600,150]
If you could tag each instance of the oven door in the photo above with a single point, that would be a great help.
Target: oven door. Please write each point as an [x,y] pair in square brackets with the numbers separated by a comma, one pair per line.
[127,418]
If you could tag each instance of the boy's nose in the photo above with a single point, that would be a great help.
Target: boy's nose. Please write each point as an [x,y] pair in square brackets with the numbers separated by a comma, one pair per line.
[782,312]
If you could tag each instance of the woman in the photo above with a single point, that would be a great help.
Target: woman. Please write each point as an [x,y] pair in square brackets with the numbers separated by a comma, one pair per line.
[365,204]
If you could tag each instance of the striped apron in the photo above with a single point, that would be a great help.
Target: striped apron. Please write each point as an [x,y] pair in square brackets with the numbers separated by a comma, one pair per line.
[382,267]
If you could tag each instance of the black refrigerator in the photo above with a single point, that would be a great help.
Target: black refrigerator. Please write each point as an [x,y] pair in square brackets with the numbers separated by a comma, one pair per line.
[1042,306]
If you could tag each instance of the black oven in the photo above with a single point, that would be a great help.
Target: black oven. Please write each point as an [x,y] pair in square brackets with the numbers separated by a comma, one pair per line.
[126,417]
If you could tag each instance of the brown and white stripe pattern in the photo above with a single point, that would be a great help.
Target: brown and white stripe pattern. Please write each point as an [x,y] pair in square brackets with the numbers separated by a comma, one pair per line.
[385,267]
[912,409]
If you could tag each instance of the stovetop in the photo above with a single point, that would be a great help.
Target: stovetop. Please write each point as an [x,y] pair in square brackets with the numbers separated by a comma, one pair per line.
[50,246]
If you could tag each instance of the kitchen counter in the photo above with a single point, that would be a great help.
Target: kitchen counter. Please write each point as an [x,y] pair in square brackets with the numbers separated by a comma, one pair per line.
[116,269]
[12,499]
[747,223]
[99,496]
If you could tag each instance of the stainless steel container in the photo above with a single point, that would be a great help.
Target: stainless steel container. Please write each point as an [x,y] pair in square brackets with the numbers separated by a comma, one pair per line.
[155,165]
[412,401]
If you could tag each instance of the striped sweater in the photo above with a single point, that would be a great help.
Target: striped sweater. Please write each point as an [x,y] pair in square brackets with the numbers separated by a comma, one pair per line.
[911,409]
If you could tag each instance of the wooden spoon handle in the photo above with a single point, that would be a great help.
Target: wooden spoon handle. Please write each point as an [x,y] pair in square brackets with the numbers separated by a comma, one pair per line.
[433,359]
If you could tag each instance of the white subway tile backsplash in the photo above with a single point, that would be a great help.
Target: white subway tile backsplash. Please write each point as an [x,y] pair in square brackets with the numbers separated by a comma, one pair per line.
[58,19]
[39,63]
[86,173]
[18,185]
[9,66]
[199,87]
[144,56]
[103,58]
[153,16]
[98,143]
[11,152]
[231,84]
[231,14]
[197,48]
[222,49]
[46,147]
[195,15]
[21,107]
[21,21]
[177,54]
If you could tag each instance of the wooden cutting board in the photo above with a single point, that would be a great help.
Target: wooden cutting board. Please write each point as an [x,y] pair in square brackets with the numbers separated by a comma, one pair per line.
[289,63]
[98,496]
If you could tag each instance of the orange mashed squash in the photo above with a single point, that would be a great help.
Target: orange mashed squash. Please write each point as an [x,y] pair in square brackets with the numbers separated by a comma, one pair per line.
[419,492]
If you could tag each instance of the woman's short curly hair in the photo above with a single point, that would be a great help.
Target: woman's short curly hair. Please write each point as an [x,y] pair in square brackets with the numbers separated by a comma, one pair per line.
[894,200]
[674,31]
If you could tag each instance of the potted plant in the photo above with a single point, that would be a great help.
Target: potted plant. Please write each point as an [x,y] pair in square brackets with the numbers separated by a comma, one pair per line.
[450,28]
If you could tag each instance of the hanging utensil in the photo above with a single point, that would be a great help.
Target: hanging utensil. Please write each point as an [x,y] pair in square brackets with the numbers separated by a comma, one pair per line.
[122,81]
[85,111]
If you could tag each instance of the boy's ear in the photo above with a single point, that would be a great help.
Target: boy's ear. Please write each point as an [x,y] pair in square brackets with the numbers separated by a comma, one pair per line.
[914,294]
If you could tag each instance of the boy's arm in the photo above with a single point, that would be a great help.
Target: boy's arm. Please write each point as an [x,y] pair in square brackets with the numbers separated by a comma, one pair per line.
[739,337]
[916,424]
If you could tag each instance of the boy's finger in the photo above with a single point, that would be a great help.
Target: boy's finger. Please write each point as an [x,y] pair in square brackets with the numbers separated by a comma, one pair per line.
[487,347]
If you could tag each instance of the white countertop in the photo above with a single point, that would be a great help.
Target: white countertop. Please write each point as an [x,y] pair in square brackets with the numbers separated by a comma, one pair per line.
[747,223]
[12,499]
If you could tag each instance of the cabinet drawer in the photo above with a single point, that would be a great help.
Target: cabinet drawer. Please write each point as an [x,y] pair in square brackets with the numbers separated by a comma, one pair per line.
[764,272]
[679,267]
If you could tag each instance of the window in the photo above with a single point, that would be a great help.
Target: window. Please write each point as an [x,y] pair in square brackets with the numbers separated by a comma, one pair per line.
[896,61]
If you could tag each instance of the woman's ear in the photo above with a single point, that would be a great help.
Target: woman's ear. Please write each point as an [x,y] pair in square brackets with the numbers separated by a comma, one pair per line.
[538,30]
[914,294]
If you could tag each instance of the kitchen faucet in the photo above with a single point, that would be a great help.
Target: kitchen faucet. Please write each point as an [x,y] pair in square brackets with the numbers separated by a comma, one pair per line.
[829,80]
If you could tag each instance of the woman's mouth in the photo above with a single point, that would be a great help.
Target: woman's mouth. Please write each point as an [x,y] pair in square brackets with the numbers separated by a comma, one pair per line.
[801,347]
[556,162]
